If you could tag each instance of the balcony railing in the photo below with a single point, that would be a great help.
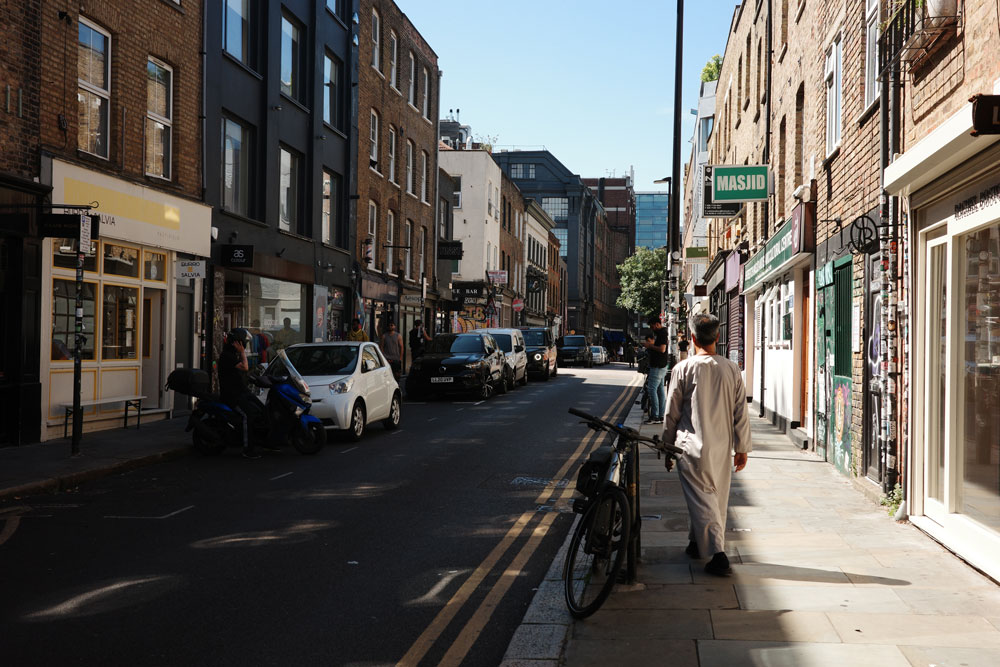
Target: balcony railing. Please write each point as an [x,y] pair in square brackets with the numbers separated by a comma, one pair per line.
[915,30]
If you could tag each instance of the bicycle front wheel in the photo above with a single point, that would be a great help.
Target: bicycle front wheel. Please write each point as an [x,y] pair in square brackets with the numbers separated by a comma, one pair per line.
[596,552]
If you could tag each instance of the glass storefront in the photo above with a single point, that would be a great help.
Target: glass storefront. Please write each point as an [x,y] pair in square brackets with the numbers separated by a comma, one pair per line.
[275,312]
[978,420]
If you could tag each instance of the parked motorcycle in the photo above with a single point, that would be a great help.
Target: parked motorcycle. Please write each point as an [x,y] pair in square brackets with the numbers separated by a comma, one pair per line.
[282,419]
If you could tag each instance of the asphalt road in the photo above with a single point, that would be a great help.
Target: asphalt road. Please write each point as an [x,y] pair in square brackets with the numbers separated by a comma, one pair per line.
[418,546]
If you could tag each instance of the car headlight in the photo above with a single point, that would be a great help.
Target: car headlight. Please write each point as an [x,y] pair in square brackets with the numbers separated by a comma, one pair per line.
[474,366]
[341,387]
[538,356]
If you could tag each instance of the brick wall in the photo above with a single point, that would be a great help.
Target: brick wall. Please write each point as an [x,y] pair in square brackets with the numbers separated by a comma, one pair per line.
[161,30]
[408,123]
[512,234]
[20,69]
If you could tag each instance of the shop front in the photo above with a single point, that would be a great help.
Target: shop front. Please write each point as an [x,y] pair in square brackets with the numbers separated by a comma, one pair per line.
[951,187]
[130,297]
[380,304]
[775,289]
[715,287]
[734,310]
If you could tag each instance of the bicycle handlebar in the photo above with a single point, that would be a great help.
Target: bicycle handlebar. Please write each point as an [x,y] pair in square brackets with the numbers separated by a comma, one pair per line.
[626,432]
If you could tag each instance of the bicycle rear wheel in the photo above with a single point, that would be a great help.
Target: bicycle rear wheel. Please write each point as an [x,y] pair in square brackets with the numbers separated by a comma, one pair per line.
[596,552]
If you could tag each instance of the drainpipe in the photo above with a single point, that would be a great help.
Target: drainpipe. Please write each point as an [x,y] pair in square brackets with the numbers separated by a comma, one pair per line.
[208,282]
[767,208]
[890,372]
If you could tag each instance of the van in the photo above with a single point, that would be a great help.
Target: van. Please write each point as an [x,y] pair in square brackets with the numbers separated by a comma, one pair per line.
[511,341]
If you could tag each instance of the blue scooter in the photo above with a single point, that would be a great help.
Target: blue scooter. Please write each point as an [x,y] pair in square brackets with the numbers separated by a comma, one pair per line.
[282,419]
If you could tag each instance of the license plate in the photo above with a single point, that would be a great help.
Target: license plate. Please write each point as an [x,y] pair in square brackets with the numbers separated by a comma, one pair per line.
[442,379]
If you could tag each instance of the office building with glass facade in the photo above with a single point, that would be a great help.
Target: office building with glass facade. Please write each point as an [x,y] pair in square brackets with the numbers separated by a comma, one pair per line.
[651,213]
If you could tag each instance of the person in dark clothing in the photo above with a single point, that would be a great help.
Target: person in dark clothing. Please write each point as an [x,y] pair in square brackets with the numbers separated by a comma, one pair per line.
[233,389]
[630,354]
[418,336]
[656,349]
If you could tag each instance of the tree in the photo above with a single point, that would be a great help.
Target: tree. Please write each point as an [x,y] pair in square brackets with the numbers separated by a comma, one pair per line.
[712,69]
[642,276]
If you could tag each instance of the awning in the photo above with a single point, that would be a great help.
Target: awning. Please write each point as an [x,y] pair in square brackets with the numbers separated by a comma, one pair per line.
[614,336]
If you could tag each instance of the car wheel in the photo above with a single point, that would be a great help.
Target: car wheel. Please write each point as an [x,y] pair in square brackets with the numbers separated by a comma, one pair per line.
[391,422]
[357,427]
[524,378]
[503,385]
[485,390]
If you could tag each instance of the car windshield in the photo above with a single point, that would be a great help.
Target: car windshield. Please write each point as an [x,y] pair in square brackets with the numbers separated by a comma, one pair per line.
[324,360]
[534,338]
[455,344]
[575,341]
[595,349]
[503,340]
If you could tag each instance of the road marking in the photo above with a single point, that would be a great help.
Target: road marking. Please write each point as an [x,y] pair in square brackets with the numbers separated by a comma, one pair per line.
[349,449]
[431,596]
[280,476]
[432,419]
[155,518]
[9,527]
[474,627]
[479,403]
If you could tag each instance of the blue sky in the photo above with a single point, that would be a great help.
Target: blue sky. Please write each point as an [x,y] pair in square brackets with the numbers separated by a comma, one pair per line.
[592,81]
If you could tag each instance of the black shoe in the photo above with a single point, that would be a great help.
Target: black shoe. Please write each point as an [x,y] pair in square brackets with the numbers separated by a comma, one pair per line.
[692,550]
[251,454]
[719,565]
[271,446]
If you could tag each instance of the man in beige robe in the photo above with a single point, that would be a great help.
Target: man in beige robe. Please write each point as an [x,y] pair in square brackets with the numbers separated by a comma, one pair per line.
[706,416]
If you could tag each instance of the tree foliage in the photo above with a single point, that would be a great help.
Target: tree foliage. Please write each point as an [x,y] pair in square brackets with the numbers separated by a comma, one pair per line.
[642,274]
[712,69]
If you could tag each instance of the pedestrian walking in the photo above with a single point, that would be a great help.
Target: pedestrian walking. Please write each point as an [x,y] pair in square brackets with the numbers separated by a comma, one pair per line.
[707,417]
[630,355]
[620,354]
[392,347]
[357,334]
[656,350]
[418,336]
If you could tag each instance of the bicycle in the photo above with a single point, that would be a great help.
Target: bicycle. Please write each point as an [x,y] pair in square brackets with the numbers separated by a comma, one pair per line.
[608,531]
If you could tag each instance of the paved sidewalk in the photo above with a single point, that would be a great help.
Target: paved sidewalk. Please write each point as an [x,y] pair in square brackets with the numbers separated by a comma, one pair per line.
[49,467]
[822,577]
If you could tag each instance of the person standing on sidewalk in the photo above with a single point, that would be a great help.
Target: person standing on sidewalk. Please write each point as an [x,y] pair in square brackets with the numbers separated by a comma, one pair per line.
[706,416]
[392,347]
[656,349]
[418,336]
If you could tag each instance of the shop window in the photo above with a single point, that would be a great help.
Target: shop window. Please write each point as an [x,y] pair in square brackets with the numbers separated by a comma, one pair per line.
[155,266]
[64,319]
[119,320]
[275,311]
[121,261]
[64,254]
[787,315]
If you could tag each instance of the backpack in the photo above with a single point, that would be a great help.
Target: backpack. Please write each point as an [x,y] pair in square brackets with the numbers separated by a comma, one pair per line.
[592,474]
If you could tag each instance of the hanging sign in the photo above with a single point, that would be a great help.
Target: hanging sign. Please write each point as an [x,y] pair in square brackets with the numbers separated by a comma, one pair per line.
[497,277]
[191,268]
[739,183]
[714,209]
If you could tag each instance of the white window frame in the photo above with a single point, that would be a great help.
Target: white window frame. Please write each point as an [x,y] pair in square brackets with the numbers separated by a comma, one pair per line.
[412,94]
[376,41]
[103,93]
[871,52]
[166,121]
[373,231]
[409,166]
[393,60]
[392,154]
[425,105]
[833,74]
[390,235]
[373,138]
[423,176]
[407,252]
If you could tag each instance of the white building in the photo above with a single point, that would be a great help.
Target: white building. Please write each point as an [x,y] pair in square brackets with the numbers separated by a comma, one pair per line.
[536,259]
[477,211]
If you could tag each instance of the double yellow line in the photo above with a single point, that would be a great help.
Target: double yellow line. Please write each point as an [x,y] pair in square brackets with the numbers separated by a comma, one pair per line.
[474,626]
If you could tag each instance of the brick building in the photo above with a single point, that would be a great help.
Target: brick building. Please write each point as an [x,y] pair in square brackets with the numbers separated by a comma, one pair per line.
[617,196]
[119,126]
[20,245]
[512,239]
[397,134]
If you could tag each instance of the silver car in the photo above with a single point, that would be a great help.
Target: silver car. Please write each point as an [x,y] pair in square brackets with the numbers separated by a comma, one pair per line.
[511,341]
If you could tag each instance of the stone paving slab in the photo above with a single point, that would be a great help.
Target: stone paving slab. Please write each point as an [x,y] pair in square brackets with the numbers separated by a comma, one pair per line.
[915,630]
[644,624]
[723,653]
[632,652]
[676,596]
[923,656]
[767,625]
[821,598]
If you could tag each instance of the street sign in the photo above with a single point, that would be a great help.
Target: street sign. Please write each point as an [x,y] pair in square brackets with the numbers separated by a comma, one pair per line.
[712,209]
[497,277]
[66,225]
[739,183]
[517,305]
[85,231]
[450,250]
[191,268]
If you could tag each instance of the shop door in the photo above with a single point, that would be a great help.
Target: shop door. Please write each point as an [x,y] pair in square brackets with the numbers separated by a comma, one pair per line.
[824,378]
[183,357]
[872,420]
[840,358]
[152,348]
[935,379]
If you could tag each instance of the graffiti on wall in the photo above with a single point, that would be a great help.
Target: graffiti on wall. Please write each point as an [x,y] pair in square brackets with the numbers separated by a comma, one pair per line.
[841,423]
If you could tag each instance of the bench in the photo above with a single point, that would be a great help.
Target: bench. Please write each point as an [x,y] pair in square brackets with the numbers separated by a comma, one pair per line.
[134,402]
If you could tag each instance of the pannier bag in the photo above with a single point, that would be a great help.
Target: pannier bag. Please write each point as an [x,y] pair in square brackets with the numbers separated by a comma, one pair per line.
[191,381]
[593,471]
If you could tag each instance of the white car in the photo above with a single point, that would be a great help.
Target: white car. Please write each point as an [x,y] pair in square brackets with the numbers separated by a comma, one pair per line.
[600,355]
[511,341]
[351,385]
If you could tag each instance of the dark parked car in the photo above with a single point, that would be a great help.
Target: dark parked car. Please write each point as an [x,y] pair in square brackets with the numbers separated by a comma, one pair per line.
[455,363]
[575,350]
[542,352]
